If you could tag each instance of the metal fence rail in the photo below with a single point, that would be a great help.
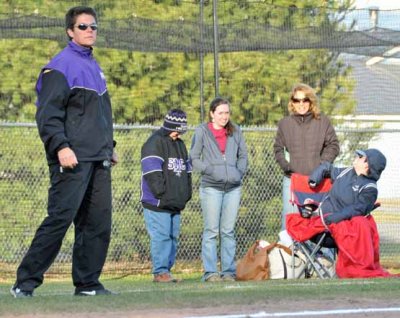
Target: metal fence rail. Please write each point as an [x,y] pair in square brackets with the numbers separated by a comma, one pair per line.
[24,183]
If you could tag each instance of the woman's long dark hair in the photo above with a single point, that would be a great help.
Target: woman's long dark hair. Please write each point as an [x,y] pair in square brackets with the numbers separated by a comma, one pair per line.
[213,106]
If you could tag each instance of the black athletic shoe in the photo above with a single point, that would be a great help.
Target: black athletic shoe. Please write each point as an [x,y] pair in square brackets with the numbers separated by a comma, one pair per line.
[97,292]
[18,293]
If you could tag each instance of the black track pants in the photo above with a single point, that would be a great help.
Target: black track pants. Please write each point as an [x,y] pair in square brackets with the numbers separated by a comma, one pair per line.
[83,196]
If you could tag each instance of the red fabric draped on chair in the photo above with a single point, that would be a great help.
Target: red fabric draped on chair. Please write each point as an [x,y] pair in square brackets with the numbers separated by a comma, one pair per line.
[357,240]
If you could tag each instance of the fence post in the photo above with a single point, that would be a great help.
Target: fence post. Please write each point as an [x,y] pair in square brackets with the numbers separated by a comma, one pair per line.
[216,47]
[201,61]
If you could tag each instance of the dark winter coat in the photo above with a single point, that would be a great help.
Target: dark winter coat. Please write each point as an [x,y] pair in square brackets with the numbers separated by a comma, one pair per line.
[166,183]
[73,106]
[307,141]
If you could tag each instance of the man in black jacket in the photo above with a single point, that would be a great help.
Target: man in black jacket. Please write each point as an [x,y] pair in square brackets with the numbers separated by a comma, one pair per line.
[74,119]
[166,188]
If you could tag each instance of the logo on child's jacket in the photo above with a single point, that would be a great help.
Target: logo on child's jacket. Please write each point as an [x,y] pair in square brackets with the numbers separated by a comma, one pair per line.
[176,165]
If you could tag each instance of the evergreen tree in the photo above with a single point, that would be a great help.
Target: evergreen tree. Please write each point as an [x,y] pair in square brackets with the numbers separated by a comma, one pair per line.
[144,85]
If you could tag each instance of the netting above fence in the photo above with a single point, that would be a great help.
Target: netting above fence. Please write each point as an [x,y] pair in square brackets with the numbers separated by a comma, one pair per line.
[272,28]
[158,54]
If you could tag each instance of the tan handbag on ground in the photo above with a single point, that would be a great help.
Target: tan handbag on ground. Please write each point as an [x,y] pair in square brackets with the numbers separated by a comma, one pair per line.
[255,264]
[269,261]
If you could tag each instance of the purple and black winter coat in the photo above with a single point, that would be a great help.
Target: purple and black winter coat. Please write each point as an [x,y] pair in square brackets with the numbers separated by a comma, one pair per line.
[73,106]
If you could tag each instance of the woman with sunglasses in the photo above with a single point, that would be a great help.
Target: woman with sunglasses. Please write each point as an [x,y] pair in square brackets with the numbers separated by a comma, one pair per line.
[304,140]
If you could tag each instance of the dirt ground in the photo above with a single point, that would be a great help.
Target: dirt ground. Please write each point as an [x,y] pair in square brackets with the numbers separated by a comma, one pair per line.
[270,308]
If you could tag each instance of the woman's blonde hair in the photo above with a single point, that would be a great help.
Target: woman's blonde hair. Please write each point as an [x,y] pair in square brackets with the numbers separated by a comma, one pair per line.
[310,94]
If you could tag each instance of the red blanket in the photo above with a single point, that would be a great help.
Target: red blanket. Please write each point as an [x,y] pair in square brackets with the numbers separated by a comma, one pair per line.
[357,240]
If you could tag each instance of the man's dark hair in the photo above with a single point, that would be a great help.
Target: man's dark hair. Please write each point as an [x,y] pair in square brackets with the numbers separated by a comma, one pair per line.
[70,17]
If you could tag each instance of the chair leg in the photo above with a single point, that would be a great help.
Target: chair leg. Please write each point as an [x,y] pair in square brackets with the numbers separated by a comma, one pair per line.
[292,248]
[313,261]
[304,270]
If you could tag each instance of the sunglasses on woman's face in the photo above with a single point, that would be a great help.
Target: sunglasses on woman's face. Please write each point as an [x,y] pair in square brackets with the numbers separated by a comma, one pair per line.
[84,26]
[300,100]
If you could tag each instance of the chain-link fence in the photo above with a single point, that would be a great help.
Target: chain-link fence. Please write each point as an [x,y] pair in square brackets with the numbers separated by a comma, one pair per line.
[24,182]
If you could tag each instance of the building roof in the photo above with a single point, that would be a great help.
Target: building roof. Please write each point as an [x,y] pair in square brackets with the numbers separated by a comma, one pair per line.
[377,90]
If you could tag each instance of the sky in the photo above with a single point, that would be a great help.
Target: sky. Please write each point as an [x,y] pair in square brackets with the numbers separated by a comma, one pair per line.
[382,4]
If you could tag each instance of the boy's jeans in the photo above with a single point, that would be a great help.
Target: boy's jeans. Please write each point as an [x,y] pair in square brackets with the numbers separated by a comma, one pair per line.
[163,229]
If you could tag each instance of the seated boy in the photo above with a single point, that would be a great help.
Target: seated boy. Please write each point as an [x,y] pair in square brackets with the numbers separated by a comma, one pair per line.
[345,213]
[354,191]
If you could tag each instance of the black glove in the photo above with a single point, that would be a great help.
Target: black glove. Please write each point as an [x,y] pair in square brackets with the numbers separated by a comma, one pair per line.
[319,173]
[306,212]
[288,172]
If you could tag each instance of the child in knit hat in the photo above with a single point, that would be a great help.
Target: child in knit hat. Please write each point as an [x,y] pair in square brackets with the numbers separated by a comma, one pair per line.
[175,120]
[166,187]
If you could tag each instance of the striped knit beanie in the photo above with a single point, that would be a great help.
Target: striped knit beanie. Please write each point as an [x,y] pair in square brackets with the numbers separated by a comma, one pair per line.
[175,120]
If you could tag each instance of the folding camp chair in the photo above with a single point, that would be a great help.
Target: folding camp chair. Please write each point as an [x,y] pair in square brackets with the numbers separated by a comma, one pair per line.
[307,200]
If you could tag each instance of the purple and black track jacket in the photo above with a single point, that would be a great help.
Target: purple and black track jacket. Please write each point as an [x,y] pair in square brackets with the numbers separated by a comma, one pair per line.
[166,173]
[74,108]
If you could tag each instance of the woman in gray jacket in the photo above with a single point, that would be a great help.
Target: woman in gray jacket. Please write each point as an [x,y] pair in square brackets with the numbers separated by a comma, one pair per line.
[219,153]
[304,140]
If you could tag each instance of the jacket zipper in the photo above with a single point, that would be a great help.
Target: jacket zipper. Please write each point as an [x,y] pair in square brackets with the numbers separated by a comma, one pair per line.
[226,171]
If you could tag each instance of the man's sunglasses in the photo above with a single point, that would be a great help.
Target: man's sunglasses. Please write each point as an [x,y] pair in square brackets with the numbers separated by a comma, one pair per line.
[302,100]
[84,26]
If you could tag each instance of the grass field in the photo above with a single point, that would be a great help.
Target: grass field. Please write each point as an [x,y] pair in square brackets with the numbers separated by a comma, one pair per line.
[137,294]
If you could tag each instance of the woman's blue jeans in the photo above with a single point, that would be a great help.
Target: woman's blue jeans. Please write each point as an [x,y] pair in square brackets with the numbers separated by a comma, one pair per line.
[220,210]
[287,207]
[163,229]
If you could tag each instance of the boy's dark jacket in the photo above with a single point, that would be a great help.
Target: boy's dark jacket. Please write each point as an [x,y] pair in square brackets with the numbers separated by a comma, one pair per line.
[166,183]
[351,195]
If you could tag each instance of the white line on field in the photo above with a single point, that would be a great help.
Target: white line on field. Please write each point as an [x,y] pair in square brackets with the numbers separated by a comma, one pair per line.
[306,283]
[307,313]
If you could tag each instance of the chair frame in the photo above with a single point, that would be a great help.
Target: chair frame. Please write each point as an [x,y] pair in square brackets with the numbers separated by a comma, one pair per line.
[310,252]
[313,262]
